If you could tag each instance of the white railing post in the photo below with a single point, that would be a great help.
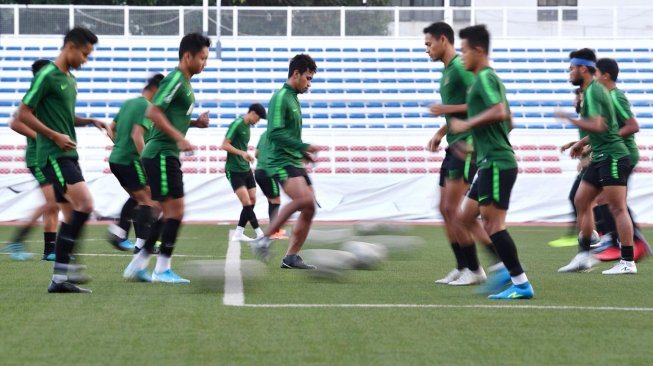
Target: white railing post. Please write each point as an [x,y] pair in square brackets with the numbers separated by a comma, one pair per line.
[505,22]
[559,22]
[71,16]
[235,22]
[126,21]
[205,18]
[396,27]
[615,22]
[16,21]
[289,22]
[472,16]
[448,12]
[342,21]
[181,21]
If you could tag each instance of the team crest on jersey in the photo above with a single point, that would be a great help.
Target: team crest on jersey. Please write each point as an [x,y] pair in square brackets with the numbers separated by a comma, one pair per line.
[446,81]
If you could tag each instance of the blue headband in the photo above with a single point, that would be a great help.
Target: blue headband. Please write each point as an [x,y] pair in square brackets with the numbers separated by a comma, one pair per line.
[581,61]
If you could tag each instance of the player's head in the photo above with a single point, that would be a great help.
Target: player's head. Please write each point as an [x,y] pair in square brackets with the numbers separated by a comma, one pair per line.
[300,72]
[255,113]
[607,71]
[438,37]
[38,65]
[582,66]
[194,51]
[475,45]
[152,86]
[77,45]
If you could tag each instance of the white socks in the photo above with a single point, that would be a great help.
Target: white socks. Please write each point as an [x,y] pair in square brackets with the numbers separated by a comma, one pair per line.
[162,263]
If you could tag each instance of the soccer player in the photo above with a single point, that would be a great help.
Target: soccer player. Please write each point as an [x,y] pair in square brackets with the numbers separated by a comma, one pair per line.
[609,167]
[49,210]
[238,168]
[49,109]
[129,128]
[170,112]
[269,186]
[458,167]
[287,153]
[607,72]
[490,122]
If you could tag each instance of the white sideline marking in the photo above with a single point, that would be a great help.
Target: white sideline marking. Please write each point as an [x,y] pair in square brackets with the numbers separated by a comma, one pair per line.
[233,280]
[126,255]
[445,306]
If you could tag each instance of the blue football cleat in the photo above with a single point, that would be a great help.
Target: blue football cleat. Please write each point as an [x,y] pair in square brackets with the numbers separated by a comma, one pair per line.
[17,252]
[168,277]
[496,281]
[49,257]
[515,292]
[126,245]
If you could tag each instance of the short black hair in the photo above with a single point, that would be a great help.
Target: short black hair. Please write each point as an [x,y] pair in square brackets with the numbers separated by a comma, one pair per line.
[608,66]
[38,65]
[440,29]
[193,43]
[585,54]
[80,36]
[258,109]
[301,63]
[477,36]
[154,81]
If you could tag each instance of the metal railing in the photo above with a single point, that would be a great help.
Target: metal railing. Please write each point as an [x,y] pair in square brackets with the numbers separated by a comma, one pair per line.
[395,22]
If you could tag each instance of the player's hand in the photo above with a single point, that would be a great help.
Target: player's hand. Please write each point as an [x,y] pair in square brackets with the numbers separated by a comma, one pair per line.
[203,120]
[434,143]
[562,115]
[312,149]
[576,150]
[438,109]
[247,156]
[184,145]
[457,125]
[64,142]
[566,146]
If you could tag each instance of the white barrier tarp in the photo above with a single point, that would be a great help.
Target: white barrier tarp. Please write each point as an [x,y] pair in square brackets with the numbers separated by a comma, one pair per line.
[342,197]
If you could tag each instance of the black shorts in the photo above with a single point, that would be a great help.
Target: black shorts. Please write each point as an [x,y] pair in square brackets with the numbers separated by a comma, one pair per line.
[164,177]
[290,171]
[454,168]
[241,179]
[38,175]
[472,193]
[131,177]
[61,172]
[268,184]
[495,186]
[608,172]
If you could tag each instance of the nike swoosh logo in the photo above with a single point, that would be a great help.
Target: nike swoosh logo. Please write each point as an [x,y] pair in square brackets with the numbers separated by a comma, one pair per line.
[482,198]
[64,86]
[189,93]
[514,295]
[294,110]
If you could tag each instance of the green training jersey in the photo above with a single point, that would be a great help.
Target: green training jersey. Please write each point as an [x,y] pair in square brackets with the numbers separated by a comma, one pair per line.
[285,129]
[453,91]
[239,134]
[131,113]
[52,95]
[597,103]
[263,151]
[623,113]
[176,99]
[491,140]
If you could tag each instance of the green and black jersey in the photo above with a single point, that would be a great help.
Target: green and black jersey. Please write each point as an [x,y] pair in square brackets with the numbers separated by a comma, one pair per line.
[453,91]
[623,113]
[491,140]
[239,134]
[131,113]
[285,129]
[263,150]
[176,99]
[52,96]
[597,103]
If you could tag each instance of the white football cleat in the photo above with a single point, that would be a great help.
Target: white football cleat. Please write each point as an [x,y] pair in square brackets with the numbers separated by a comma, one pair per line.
[470,278]
[240,237]
[450,277]
[582,262]
[623,267]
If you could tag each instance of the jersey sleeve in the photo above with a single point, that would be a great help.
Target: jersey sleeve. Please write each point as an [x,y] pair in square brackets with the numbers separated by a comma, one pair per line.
[38,89]
[595,99]
[279,134]
[168,90]
[466,77]
[139,116]
[621,106]
[490,88]
[233,129]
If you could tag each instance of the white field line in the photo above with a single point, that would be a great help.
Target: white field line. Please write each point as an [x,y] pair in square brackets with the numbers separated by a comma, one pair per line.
[233,280]
[128,255]
[447,306]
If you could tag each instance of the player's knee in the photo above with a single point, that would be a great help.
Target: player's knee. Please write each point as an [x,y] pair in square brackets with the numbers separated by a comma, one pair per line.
[618,210]
[51,208]
[85,205]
